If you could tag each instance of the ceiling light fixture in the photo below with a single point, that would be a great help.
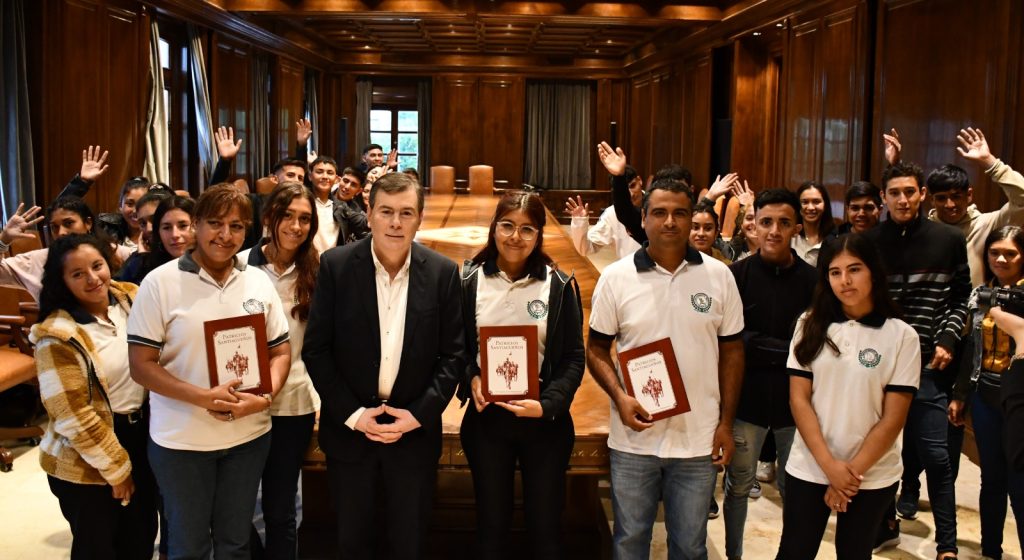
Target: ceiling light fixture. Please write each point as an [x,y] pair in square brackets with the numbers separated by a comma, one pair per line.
[757,34]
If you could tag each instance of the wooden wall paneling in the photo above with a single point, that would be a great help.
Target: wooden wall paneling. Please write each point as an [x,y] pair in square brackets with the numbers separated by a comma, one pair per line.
[664,120]
[929,86]
[696,117]
[802,105]
[455,127]
[752,108]
[502,123]
[230,77]
[87,91]
[640,125]
[610,107]
[843,101]
[287,100]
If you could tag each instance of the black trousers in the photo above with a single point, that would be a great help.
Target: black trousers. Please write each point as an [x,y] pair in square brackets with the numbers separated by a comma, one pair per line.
[101,527]
[805,516]
[289,438]
[382,504]
[494,440]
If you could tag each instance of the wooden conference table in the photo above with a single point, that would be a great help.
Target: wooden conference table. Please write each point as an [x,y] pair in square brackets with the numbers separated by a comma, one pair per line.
[456,226]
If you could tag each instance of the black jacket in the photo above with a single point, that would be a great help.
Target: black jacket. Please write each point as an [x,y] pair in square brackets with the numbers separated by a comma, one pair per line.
[773,299]
[342,351]
[564,356]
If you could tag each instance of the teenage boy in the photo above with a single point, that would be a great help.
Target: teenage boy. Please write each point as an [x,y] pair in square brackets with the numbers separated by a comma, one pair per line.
[928,276]
[775,286]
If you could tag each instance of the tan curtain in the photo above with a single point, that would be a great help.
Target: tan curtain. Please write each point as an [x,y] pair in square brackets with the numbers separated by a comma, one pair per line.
[364,102]
[558,135]
[17,178]
[157,137]
[201,94]
[259,127]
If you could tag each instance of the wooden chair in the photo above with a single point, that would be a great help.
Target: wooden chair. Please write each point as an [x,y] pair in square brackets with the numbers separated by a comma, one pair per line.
[442,179]
[19,246]
[17,367]
[481,180]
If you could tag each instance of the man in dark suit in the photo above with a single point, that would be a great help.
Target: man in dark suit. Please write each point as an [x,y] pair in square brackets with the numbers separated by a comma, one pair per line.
[384,347]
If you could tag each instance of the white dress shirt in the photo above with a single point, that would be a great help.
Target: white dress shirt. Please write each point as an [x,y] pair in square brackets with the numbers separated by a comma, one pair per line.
[392,302]
[326,229]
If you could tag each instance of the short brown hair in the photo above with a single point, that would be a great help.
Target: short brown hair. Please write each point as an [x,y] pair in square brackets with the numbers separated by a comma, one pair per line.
[219,200]
[395,183]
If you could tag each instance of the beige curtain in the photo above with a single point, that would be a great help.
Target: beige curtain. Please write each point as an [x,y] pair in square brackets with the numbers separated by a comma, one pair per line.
[259,127]
[157,137]
[364,102]
[558,135]
[201,95]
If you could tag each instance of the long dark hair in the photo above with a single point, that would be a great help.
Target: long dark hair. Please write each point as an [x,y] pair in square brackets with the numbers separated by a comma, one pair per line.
[307,259]
[826,307]
[1013,233]
[826,224]
[533,207]
[71,203]
[55,294]
[158,254]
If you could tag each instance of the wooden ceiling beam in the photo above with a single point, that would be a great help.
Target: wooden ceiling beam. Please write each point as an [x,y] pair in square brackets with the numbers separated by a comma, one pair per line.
[642,10]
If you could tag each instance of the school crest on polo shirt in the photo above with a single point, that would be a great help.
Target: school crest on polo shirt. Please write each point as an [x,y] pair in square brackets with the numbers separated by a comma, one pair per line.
[537,309]
[869,357]
[253,306]
[701,302]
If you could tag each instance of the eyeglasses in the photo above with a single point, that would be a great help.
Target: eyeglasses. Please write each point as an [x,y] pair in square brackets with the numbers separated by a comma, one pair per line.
[526,231]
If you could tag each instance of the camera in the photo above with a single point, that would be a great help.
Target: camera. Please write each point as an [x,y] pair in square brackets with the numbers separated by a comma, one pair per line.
[1010,299]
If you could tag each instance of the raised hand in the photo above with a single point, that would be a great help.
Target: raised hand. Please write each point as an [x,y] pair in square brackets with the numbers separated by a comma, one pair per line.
[577,208]
[974,147]
[93,164]
[721,186]
[303,130]
[893,147]
[392,162]
[18,224]
[226,145]
[743,192]
[613,160]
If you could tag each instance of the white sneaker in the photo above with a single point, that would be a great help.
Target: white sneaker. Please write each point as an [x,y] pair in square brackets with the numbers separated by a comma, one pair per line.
[765,471]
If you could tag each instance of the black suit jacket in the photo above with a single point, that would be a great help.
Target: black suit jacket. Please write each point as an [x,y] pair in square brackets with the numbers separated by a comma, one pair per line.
[342,350]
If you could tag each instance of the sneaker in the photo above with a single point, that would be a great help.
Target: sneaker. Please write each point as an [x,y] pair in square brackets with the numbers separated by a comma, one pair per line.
[888,537]
[906,506]
[713,510]
[765,471]
[755,490]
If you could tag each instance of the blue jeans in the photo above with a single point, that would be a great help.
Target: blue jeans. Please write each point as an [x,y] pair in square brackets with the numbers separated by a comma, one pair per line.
[639,482]
[739,476]
[209,495]
[925,442]
[998,478]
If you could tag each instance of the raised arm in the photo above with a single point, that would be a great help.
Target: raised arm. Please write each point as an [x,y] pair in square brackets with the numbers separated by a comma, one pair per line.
[94,165]
[615,162]
[893,146]
[227,149]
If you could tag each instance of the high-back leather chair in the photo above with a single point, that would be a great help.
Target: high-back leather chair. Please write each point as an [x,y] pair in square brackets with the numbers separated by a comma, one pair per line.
[481,180]
[442,179]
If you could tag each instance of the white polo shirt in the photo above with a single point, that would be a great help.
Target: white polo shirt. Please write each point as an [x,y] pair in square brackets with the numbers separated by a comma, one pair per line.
[638,302]
[298,396]
[173,303]
[111,344]
[606,231]
[503,302]
[876,355]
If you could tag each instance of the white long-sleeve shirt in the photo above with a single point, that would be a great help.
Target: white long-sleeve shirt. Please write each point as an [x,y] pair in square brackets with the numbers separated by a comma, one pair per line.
[606,231]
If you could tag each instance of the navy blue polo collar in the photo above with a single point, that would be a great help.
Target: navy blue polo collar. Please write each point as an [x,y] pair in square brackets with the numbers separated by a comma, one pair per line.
[187,264]
[643,261]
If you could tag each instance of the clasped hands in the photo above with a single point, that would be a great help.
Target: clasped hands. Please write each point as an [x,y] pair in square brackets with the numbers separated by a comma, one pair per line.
[386,433]
[844,483]
[226,404]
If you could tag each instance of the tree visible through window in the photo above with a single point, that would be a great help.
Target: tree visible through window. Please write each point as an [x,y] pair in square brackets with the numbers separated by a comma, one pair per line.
[397,128]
